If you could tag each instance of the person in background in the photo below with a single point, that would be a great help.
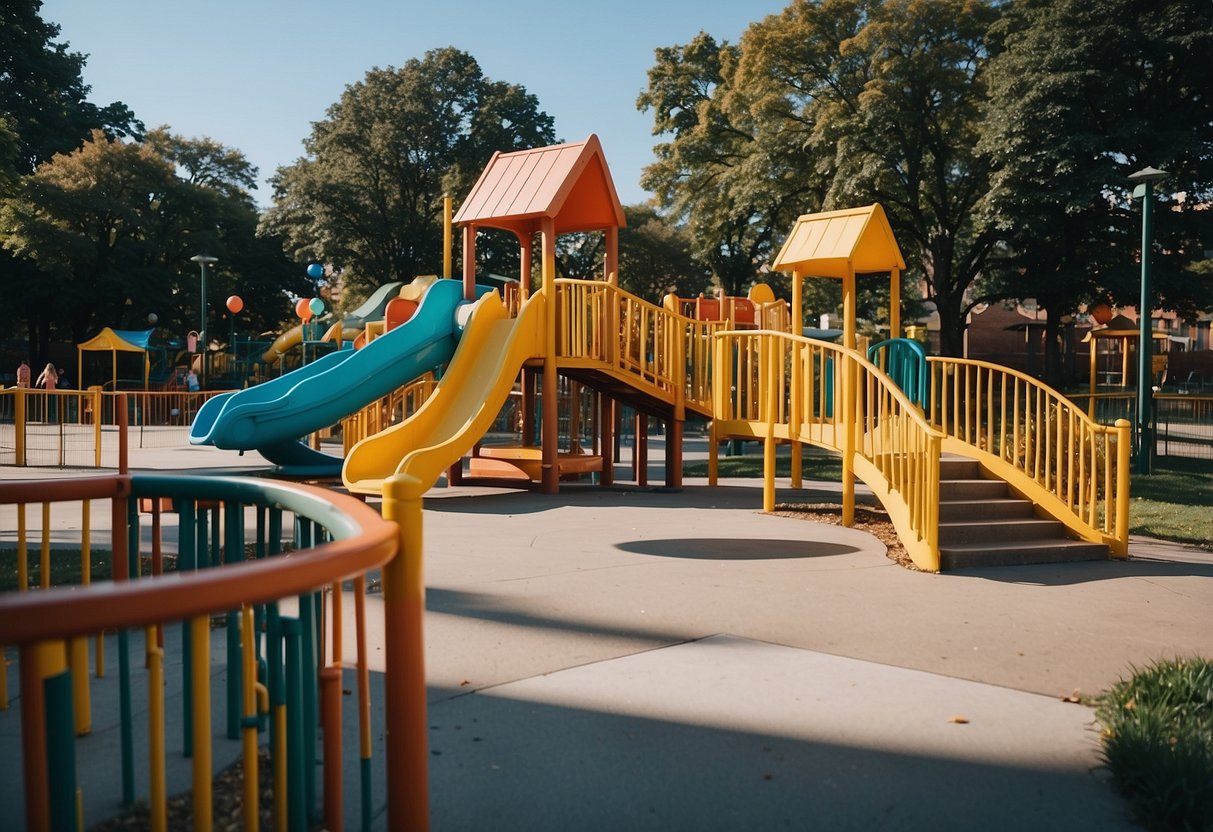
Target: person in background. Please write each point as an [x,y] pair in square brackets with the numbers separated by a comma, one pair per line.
[191,381]
[48,378]
[23,374]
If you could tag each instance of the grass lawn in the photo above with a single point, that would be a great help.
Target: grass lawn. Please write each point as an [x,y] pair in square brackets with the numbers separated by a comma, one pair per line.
[1170,504]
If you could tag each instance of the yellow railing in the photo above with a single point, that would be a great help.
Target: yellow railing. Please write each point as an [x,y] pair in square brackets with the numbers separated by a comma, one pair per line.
[1043,444]
[284,663]
[74,427]
[662,352]
[381,414]
[779,387]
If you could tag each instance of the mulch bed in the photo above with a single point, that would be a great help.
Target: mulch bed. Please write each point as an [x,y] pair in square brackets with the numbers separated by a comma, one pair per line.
[874,521]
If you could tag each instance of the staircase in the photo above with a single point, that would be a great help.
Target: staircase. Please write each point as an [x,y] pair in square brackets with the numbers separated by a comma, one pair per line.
[981,523]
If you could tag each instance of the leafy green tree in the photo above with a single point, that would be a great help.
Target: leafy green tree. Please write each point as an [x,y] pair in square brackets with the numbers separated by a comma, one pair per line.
[1083,93]
[655,257]
[715,174]
[42,91]
[367,198]
[834,103]
[44,109]
[111,227]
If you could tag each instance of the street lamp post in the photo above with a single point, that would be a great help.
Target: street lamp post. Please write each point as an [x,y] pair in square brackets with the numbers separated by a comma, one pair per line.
[1144,179]
[203,260]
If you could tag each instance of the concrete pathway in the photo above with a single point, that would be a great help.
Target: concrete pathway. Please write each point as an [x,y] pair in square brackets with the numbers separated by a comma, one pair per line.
[648,659]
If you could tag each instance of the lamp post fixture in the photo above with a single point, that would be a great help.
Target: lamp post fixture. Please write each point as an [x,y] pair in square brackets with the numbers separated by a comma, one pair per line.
[203,260]
[1144,180]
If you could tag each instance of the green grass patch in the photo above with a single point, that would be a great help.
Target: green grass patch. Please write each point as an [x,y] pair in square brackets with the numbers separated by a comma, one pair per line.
[1157,732]
[65,566]
[1173,503]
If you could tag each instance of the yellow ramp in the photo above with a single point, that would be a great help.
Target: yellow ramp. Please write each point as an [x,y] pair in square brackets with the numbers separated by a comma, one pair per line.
[491,352]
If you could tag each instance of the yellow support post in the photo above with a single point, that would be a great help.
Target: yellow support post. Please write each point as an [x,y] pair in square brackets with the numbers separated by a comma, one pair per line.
[404,611]
[19,424]
[22,551]
[200,670]
[1123,433]
[252,814]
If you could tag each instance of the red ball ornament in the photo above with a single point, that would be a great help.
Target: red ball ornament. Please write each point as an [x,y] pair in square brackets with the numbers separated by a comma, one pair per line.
[235,304]
[303,310]
[1101,312]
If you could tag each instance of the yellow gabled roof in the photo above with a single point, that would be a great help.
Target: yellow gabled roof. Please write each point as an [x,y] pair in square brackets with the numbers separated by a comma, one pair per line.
[833,243]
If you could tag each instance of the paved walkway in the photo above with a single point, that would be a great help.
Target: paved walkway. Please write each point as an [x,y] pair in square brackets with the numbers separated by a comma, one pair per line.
[648,659]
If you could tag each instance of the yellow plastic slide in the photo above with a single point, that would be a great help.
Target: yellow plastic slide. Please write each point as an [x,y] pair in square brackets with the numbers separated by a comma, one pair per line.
[477,382]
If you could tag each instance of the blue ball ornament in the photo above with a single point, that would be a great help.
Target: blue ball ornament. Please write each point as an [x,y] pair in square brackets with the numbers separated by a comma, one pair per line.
[316,305]
[315,271]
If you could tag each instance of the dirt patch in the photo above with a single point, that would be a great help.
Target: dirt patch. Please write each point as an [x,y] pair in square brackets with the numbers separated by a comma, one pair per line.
[869,519]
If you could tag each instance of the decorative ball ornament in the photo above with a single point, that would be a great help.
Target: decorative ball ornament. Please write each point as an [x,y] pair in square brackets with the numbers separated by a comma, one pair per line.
[315,271]
[1101,312]
[152,317]
[316,305]
[234,304]
[303,310]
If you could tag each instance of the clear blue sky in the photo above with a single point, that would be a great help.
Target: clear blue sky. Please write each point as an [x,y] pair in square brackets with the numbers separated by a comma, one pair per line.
[255,74]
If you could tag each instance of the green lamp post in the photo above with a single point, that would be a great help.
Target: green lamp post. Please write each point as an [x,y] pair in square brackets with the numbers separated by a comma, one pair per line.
[1144,180]
[203,260]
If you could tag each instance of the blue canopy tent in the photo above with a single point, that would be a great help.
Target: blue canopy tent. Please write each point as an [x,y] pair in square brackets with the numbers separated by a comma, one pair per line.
[116,341]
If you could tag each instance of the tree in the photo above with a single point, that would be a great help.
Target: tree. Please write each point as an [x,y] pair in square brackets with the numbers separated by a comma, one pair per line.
[1084,93]
[111,226]
[714,174]
[42,91]
[655,257]
[368,196]
[44,111]
[835,103]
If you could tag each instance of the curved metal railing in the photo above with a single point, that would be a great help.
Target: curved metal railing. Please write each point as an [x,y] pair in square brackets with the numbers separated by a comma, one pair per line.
[284,620]
[777,387]
[1039,441]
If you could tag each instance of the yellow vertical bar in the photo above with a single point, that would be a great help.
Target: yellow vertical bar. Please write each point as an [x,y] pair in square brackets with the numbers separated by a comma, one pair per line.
[19,415]
[1121,547]
[157,788]
[252,814]
[22,551]
[200,668]
[766,363]
[81,705]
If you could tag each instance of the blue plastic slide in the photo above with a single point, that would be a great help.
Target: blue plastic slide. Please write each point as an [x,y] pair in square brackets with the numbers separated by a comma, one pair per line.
[272,416]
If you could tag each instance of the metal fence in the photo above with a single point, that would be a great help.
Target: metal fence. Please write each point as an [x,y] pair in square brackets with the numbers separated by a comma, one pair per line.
[71,428]
[1183,422]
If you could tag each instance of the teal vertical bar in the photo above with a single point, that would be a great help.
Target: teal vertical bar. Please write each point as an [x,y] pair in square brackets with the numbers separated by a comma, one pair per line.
[125,720]
[203,537]
[187,561]
[308,682]
[365,771]
[296,728]
[216,554]
[60,750]
[132,537]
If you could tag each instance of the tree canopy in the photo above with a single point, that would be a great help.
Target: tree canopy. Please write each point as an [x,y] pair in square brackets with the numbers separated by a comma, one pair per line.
[111,226]
[831,104]
[367,197]
[1083,93]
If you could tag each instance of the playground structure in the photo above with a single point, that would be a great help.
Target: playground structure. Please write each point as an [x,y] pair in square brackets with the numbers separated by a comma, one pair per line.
[928,453]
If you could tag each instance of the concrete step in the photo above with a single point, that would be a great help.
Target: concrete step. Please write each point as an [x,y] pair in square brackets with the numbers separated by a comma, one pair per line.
[958,468]
[995,531]
[1016,553]
[972,489]
[992,509]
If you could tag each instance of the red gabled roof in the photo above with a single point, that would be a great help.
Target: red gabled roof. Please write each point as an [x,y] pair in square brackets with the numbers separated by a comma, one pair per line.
[570,183]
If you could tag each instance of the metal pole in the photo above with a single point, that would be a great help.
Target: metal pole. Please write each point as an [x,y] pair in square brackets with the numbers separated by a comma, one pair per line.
[202,329]
[1145,375]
